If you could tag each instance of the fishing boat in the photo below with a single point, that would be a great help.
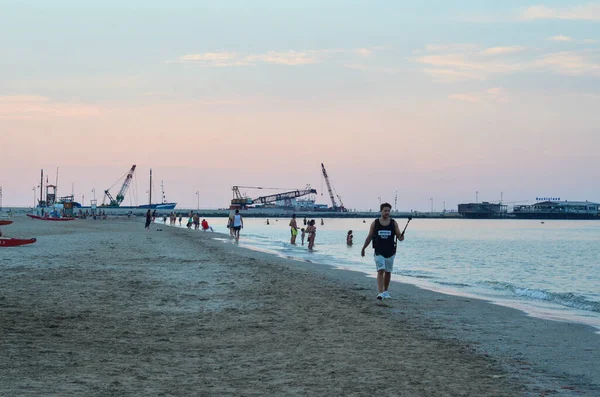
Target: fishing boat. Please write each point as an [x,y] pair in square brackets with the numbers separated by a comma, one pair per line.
[50,218]
[14,242]
[4,223]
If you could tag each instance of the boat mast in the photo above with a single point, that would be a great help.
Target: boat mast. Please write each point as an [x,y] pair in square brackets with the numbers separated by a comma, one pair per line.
[150,190]
[41,187]
[56,184]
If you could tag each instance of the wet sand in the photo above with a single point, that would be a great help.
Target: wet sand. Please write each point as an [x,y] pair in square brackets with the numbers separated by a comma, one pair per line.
[106,308]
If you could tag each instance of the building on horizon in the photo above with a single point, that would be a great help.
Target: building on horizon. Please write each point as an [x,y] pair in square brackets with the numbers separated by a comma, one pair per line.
[484,210]
[558,210]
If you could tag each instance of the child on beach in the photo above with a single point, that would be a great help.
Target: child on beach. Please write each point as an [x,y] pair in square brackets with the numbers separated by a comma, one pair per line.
[303,235]
[189,224]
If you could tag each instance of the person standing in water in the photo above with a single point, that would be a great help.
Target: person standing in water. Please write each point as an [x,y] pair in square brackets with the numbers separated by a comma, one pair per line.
[230,223]
[148,219]
[349,239]
[303,230]
[383,233]
[294,229]
[238,224]
[312,233]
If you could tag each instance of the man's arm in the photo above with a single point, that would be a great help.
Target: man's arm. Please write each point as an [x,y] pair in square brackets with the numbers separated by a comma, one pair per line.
[368,239]
[399,234]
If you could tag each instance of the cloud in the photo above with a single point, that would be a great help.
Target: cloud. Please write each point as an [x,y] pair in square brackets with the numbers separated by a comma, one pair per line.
[572,63]
[39,107]
[23,98]
[288,58]
[465,97]
[358,66]
[560,37]
[453,76]
[585,12]
[456,66]
[365,52]
[492,95]
[503,50]
[452,47]
[468,65]
[590,41]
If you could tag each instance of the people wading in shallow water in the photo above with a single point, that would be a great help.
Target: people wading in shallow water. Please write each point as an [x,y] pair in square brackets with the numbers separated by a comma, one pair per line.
[230,223]
[148,219]
[196,220]
[383,233]
[349,239]
[312,233]
[303,230]
[294,229]
[238,224]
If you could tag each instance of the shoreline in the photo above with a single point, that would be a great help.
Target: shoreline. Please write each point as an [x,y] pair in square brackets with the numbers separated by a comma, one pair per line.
[543,309]
[533,353]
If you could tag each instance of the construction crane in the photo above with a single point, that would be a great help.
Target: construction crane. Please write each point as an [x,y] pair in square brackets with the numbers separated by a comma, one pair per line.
[240,201]
[112,202]
[334,204]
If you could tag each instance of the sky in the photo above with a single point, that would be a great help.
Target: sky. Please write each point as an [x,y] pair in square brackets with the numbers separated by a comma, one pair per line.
[435,100]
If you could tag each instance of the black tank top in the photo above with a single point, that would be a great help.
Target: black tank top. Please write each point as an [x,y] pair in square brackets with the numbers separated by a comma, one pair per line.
[384,239]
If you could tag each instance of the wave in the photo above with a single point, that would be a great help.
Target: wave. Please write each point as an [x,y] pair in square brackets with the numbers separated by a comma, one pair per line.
[568,299]
[451,284]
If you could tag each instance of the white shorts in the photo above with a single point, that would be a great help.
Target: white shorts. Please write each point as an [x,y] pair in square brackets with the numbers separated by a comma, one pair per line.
[382,263]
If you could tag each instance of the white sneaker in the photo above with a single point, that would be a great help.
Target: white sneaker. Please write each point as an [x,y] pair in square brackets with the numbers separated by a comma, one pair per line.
[386,295]
[380,296]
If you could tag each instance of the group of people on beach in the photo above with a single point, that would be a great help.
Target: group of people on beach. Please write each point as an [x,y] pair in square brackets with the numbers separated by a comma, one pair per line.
[310,230]
[384,235]
[235,223]
[193,220]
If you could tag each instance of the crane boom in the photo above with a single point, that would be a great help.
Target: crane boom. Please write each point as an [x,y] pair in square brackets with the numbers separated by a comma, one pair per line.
[125,186]
[243,201]
[283,196]
[329,189]
[115,202]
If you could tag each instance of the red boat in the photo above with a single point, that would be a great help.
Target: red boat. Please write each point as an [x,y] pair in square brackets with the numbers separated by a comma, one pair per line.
[13,242]
[4,223]
[47,218]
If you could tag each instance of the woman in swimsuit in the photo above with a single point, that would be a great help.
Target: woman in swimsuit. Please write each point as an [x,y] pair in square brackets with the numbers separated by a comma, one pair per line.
[312,232]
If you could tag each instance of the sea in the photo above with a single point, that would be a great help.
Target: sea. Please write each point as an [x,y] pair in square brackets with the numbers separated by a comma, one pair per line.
[548,269]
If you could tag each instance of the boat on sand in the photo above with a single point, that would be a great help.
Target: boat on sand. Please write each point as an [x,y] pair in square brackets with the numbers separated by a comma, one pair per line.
[49,218]
[14,242]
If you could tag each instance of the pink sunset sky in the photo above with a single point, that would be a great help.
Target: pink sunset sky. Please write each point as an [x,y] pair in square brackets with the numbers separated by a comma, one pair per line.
[432,104]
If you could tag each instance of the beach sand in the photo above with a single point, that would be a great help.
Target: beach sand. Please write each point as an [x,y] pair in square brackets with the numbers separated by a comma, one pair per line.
[107,308]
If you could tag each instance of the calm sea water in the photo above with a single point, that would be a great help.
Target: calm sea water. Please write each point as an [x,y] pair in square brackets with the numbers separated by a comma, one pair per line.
[549,270]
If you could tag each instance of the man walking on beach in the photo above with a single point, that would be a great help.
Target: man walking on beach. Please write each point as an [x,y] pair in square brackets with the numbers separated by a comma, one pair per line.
[294,229]
[383,233]
[238,224]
